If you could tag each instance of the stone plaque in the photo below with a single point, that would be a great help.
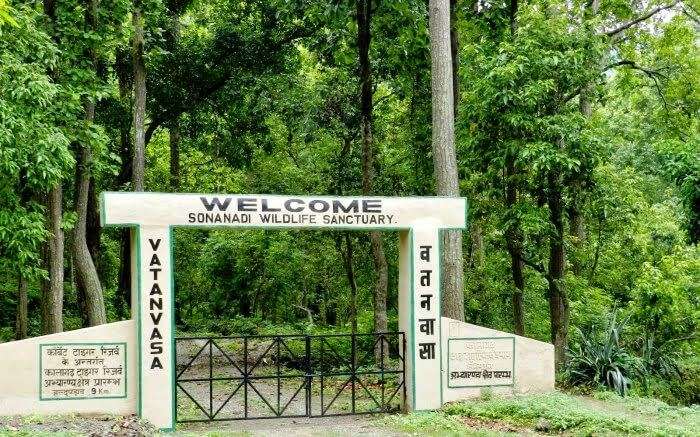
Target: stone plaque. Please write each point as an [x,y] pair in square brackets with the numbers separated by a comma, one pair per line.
[82,371]
[480,362]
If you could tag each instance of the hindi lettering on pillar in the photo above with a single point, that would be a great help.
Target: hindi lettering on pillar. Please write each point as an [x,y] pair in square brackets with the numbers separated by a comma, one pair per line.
[426,326]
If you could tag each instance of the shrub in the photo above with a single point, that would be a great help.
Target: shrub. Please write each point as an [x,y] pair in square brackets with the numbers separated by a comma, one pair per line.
[598,359]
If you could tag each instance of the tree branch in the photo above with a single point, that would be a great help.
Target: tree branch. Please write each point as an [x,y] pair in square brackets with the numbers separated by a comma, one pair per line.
[652,74]
[638,20]
[627,63]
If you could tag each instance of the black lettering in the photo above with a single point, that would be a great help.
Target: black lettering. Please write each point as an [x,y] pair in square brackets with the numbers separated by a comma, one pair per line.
[246,204]
[191,217]
[374,205]
[266,208]
[156,363]
[156,289]
[351,207]
[154,260]
[156,347]
[288,205]
[215,202]
[156,334]
[154,244]
[156,303]
[155,273]
[324,205]
[156,318]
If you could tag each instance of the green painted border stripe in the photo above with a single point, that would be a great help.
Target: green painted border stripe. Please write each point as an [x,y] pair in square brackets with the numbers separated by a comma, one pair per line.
[136,236]
[412,246]
[438,236]
[173,350]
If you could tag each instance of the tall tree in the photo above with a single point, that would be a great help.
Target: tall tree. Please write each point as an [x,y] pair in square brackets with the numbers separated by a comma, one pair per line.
[124,73]
[22,320]
[174,10]
[444,154]
[87,276]
[52,287]
[364,37]
[514,233]
[138,167]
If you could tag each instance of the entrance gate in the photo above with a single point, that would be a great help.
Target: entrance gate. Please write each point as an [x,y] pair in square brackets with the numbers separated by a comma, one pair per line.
[419,222]
[271,376]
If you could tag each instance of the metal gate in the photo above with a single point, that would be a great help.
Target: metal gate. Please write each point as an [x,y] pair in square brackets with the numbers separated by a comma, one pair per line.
[269,376]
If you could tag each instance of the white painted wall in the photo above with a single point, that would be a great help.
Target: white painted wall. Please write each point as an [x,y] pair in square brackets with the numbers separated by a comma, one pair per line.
[534,362]
[20,379]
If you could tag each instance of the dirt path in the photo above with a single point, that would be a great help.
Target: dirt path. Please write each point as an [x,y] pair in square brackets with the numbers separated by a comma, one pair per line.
[321,426]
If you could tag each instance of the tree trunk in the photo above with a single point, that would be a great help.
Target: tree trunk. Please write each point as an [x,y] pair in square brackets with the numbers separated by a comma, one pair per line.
[444,155]
[514,233]
[477,249]
[52,290]
[125,81]
[174,132]
[598,247]
[454,49]
[577,226]
[577,230]
[514,243]
[516,265]
[174,129]
[558,300]
[84,263]
[93,228]
[576,223]
[139,162]
[364,18]
[322,309]
[347,257]
[22,322]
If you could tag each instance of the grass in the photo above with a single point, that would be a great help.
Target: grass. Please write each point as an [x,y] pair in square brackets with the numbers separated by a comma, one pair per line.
[555,413]
[601,414]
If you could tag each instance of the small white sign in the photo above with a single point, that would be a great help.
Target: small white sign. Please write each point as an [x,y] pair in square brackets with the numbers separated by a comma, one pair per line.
[82,371]
[480,362]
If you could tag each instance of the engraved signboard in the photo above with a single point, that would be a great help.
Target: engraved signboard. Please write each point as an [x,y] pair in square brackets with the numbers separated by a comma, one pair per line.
[480,362]
[82,371]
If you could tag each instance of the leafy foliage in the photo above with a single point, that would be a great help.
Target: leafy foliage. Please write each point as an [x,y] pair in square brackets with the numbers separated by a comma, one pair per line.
[598,358]
[34,151]
[604,414]
[262,96]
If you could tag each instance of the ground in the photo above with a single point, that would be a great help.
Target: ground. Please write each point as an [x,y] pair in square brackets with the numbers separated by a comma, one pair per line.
[549,414]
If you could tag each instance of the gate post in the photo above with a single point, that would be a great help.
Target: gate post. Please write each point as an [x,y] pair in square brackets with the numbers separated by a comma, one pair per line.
[155,325]
[419,315]
[309,373]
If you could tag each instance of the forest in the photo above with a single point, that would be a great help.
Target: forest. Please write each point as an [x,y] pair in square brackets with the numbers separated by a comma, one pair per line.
[573,129]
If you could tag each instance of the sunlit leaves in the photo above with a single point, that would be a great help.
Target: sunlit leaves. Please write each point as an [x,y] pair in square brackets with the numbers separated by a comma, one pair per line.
[34,151]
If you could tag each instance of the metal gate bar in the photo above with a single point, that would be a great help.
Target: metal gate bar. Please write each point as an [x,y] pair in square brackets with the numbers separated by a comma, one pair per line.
[311,374]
